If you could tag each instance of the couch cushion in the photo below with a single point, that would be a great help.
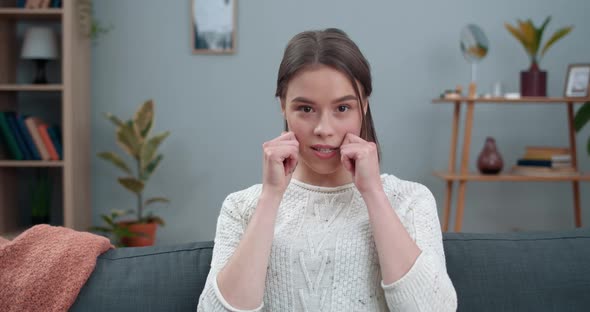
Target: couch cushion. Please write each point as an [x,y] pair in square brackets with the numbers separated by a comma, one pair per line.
[520,271]
[157,278]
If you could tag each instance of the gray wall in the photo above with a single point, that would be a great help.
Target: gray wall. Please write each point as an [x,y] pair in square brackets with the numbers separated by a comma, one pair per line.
[220,108]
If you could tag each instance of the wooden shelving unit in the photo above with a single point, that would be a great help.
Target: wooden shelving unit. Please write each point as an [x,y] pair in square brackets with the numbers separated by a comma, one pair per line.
[19,13]
[462,176]
[31,87]
[30,163]
[71,174]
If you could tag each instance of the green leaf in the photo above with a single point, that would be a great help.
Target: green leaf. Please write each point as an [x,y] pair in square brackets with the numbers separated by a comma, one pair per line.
[520,37]
[108,220]
[530,32]
[560,33]
[541,30]
[101,229]
[128,141]
[582,117]
[156,200]
[115,160]
[114,119]
[148,150]
[156,219]
[144,119]
[151,167]
[131,184]
[117,213]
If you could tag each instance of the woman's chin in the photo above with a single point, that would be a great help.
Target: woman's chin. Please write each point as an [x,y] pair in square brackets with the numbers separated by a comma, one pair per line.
[326,168]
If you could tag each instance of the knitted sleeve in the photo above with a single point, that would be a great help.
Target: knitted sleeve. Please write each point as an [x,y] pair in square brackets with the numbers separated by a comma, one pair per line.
[426,286]
[231,225]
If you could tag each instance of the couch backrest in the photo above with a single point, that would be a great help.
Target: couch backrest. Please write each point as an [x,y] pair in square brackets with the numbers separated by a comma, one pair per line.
[491,272]
[520,271]
[157,278]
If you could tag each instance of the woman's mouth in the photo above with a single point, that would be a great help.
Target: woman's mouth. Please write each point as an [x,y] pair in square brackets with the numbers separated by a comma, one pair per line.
[324,152]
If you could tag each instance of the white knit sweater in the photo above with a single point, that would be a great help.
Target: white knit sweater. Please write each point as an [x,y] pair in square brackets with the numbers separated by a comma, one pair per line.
[323,256]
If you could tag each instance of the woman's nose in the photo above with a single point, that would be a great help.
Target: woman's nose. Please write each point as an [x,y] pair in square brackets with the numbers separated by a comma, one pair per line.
[324,126]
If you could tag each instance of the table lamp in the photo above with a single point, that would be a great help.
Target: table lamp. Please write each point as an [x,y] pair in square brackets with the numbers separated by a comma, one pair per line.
[40,45]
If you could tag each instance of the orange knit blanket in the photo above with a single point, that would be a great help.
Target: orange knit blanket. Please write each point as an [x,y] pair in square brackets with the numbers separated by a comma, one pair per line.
[44,268]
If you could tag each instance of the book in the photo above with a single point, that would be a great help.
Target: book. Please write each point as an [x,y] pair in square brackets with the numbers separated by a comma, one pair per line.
[529,162]
[547,156]
[31,123]
[557,149]
[543,171]
[27,137]
[9,138]
[20,141]
[47,141]
[56,140]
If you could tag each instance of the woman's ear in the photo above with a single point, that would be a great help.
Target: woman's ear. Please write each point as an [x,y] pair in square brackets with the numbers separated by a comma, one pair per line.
[283,108]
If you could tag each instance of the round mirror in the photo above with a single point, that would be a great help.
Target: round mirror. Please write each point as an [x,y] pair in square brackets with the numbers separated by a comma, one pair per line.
[474,46]
[474,43]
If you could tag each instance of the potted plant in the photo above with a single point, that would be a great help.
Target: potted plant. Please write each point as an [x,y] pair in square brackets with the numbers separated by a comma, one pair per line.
[533,82]
[133,137]
[115,230]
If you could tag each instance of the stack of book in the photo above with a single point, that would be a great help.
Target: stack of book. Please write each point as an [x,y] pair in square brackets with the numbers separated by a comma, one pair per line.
[545,161]
[29,137]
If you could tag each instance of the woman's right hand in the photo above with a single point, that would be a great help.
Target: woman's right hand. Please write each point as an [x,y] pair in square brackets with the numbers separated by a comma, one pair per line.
[280,159]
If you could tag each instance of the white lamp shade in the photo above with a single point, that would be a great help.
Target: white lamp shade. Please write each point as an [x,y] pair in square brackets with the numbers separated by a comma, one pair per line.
[39,43]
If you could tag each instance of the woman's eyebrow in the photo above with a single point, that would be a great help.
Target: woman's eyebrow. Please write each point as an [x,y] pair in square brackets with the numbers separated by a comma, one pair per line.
[338,100]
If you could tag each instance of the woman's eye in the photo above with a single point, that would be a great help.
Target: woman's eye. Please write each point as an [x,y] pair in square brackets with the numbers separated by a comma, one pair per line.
[343,108]
[305,109]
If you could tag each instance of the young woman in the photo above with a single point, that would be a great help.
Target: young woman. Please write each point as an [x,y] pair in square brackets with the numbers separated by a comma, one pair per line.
[325,231]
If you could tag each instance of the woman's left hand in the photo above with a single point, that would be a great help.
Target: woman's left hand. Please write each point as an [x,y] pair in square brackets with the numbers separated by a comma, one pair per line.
[361,159]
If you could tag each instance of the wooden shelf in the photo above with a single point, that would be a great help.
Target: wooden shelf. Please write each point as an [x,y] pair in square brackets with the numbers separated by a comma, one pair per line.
[30,163]
[31,87]
[18,13]
[522,100]
[70,203]
[453,174]
[474,176]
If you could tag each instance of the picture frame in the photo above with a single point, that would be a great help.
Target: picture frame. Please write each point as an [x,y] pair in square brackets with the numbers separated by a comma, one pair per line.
[577,81]
[213,26]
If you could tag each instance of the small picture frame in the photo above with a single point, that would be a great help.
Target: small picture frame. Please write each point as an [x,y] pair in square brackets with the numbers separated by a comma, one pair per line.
[577,81]
[213,26]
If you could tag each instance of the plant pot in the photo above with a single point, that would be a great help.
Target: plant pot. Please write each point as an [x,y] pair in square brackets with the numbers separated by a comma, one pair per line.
[533,82]
[146,231]
[489,160]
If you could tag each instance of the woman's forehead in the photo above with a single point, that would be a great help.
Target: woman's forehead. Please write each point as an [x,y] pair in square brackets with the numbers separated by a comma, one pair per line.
[324,83]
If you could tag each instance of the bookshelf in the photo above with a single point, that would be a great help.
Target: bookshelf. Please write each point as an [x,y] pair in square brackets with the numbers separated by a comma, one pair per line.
[463,175]
[67,97]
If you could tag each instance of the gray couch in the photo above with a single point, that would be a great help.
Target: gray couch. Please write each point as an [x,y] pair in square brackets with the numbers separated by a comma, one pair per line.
[535,271]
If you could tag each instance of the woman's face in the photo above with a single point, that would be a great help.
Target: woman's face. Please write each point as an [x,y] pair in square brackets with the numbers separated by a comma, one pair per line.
[321,107]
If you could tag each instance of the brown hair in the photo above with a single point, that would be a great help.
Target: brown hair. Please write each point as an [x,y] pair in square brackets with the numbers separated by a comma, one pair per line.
[331,47]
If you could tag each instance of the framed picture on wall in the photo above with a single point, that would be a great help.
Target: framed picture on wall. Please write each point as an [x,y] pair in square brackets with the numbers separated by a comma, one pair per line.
[577,80]
[213,26]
